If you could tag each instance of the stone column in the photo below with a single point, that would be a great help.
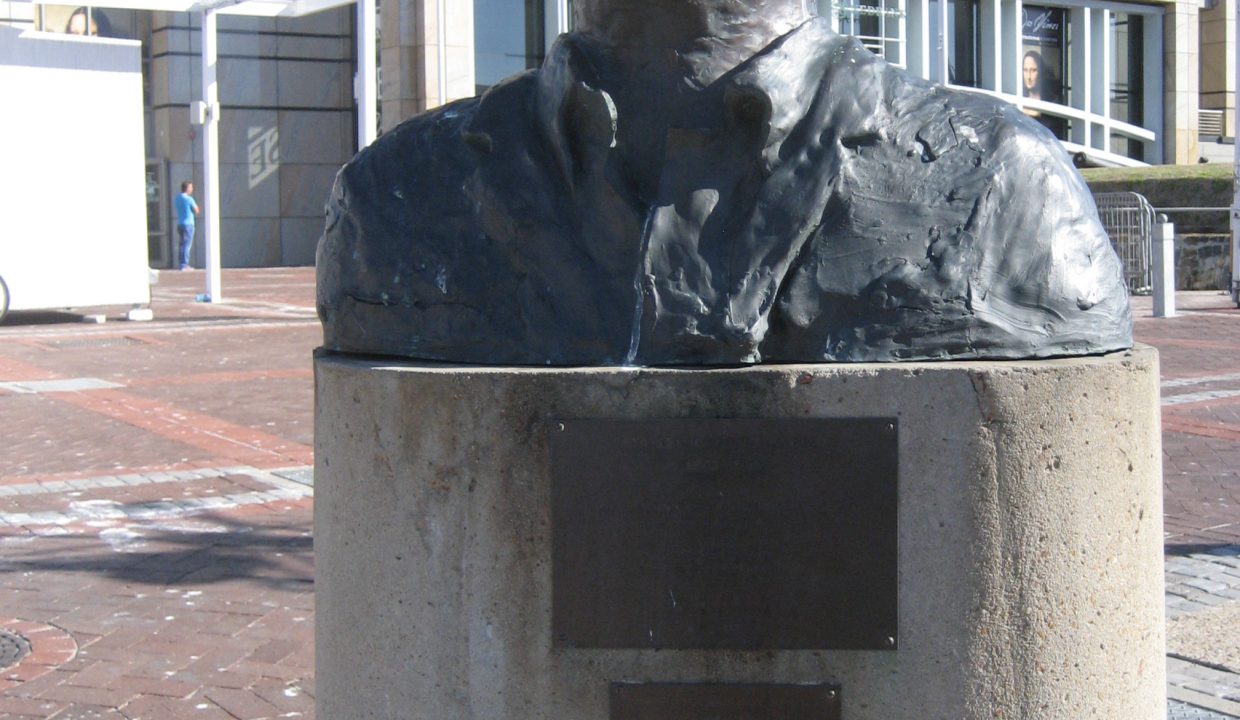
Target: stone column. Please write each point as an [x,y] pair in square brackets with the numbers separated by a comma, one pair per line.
[1181,99]
[409,56]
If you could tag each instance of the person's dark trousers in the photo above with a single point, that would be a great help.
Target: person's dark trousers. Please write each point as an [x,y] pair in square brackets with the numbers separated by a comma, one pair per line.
[186,234]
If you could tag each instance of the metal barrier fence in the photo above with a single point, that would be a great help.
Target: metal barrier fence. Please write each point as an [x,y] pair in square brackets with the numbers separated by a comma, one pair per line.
[1128,219]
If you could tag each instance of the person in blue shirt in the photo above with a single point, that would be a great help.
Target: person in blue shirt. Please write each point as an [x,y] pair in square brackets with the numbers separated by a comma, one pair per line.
[186,210]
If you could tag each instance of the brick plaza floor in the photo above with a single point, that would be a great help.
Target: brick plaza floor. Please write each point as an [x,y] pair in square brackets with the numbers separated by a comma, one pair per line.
[155,511]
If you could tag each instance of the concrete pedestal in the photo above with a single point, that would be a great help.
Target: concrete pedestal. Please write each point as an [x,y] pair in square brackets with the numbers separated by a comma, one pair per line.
[1030,548]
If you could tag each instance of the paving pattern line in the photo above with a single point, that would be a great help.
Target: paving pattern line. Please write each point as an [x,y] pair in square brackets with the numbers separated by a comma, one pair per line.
[221,377]
[205,432]
[1180,423]
[1204,396]
[1197,344]
[239,323]
[36,387]
[93,510]
[1180,706]
[1201,380]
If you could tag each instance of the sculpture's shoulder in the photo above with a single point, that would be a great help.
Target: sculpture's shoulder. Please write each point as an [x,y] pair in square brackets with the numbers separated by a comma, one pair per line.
[969,232]
[423,162]
[403,234]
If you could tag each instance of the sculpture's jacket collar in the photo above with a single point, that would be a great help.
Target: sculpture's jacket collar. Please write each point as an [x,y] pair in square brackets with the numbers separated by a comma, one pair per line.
[738,195]
[769,93]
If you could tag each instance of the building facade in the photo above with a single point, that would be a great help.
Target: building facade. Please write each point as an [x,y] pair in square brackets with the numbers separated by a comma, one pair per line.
[287,124]
[1117,82]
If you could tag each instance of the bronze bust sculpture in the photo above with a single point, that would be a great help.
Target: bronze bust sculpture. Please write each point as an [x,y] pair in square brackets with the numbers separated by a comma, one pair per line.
[689,182]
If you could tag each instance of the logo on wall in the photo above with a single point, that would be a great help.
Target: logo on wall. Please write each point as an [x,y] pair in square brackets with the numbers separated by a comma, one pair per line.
[1043,26]
[264,153]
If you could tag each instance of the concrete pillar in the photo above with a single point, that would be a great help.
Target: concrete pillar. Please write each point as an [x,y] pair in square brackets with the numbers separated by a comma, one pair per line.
[410,55]
[1163,252]
[1180,82]
[365,85]
[1029,537]
[210,158]
[919,39]
[1235,204]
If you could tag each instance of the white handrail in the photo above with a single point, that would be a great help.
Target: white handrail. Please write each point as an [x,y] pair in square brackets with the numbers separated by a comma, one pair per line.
[1128,130]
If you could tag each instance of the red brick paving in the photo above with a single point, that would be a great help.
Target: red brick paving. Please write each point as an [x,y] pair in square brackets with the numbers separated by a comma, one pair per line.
[210,614]
[1201,440]
[207,433]
[171,614]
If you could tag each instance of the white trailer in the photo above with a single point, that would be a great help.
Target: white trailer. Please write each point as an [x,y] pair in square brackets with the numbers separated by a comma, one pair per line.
[72,173]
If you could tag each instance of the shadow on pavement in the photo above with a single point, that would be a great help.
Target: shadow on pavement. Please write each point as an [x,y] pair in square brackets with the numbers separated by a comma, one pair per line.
[19,318]
[159,553]
[1186,549]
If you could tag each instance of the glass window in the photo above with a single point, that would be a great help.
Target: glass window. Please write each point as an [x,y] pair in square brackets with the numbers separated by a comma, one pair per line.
[876,23]
[508,37]
[1128,78]
[87,20]
[963,42]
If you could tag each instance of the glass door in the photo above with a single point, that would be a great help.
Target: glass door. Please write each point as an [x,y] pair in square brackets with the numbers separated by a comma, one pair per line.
[158,241]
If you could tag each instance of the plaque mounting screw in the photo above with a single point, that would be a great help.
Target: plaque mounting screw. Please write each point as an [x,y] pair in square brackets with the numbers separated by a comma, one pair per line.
[559,426]
[831,694]
[890,642]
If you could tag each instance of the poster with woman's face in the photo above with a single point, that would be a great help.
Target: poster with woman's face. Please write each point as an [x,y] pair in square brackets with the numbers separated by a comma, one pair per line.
[1042,61]
[83,20]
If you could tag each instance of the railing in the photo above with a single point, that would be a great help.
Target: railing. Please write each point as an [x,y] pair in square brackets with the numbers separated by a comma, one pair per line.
[887,23]
[1086,119]
[1128,219]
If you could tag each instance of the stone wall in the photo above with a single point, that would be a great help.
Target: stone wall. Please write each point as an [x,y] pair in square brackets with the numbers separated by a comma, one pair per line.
[1202,261]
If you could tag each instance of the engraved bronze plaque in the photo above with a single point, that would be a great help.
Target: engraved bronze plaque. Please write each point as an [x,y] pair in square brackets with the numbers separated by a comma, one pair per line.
[745,534]
[724,702]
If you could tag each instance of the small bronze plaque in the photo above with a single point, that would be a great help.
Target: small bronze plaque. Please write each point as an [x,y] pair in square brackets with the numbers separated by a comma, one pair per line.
[746,534]
[724,702]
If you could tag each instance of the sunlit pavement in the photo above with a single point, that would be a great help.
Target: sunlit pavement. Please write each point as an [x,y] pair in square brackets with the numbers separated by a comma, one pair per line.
[155,503]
